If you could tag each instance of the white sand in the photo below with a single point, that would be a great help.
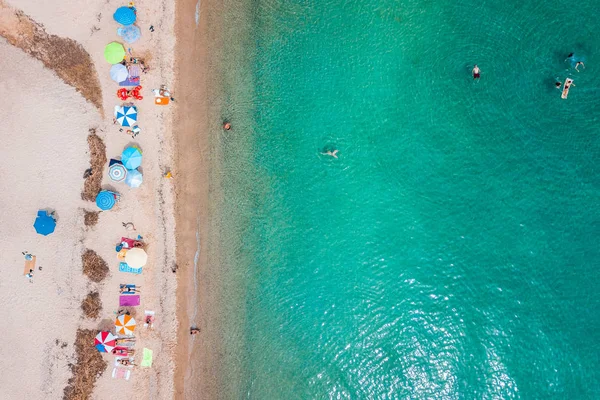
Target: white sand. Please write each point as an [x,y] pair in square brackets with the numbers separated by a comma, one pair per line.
[43,155]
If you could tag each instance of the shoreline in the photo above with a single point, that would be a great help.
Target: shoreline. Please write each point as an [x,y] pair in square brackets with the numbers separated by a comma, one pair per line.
[196,296]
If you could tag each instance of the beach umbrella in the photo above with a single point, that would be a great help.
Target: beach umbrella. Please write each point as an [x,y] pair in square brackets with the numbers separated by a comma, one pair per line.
[105,342]
[134,178]
[124,15]
[129,33]
[131,157]
[119,73]
[125,324]
[126,115]
[105,200]
[117,172]
[114,52]
[136,257]
[44,224]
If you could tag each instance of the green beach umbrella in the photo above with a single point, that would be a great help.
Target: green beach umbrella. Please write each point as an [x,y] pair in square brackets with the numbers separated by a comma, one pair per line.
[114,52]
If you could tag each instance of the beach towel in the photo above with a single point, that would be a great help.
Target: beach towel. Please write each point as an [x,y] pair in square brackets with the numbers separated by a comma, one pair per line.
[130,82]
[148,319]
[129,301]
[29,265]
[119,365]
[161,101]
[121,373]
[134,71]
[147,359]
[123,267]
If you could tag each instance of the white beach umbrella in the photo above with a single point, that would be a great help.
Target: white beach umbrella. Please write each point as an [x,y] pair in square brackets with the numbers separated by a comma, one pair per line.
[134,178]
[136,257]
[119,73]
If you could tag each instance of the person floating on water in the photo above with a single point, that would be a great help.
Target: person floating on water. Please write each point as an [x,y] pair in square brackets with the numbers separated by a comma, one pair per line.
[558,84]
[577,64]
[476,72]
[332,153]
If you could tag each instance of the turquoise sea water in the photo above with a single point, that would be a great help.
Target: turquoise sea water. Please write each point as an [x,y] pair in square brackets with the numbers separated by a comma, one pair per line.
[452,250]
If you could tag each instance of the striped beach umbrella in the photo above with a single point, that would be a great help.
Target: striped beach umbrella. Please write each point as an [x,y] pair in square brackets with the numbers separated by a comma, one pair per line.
[117,172]
[114,52]
[125,324]
[136,257]
[124,15]
[105,200]
[126,115]
[134,178]
[132,157]
[105,342]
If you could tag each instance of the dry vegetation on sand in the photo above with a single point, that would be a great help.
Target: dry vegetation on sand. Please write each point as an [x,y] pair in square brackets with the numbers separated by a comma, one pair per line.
[94,267]
[92,305]
[67,58]
[90,218]
[88,367]
[93,182]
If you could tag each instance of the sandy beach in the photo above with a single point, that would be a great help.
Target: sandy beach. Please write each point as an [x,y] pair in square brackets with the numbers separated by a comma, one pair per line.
[43,157]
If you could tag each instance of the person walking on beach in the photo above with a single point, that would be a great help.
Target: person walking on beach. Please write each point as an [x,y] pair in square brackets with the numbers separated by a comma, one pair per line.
[332,153]
[577,64]
[476,72]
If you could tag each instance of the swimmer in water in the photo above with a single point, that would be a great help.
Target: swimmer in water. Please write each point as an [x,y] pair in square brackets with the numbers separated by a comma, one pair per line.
[476,72]
[558,84]
[331,153]
[569,56]
[577,64]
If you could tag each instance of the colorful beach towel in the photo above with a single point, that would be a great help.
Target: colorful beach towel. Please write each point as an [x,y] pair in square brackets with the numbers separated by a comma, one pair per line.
[147,360]
[148,319]
[130,82]
[129,301]
[121,373]
[123,267]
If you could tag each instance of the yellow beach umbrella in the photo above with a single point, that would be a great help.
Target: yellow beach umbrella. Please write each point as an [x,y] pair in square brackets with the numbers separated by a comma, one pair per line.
[125,325]
[136,257]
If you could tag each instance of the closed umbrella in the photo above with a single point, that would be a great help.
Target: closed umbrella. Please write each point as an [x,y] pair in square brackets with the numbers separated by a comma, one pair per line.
[114,52]
[136,257]
[105,342]
[117,172]
[126,115]
[125,324]
[119,73]
[134,178]
[105,200]
[44,224]
[124,15]
[129,33]
[132,157]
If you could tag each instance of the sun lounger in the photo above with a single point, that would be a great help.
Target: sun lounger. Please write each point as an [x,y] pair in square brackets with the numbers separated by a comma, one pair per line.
[129,301]
[29,265]
[123,267]
[161,101]
[148,319]
[565,92]
[121,373]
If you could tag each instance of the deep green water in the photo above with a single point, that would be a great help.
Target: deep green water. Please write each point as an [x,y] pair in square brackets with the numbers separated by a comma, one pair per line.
[452,251]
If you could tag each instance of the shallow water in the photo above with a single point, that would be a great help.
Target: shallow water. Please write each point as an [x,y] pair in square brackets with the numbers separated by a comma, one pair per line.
[452,249]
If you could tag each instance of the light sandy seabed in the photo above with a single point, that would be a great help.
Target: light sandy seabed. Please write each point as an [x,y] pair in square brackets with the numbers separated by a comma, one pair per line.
[43,154]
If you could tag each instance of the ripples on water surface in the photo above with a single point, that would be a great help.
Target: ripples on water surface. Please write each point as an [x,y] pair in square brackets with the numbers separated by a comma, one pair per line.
[452,250]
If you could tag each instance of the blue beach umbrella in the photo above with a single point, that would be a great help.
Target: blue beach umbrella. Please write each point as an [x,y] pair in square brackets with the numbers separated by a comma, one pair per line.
[129,33]
[134,178]
[131,157]
[126,115]
[124,15]
[44,224]
[105,200]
